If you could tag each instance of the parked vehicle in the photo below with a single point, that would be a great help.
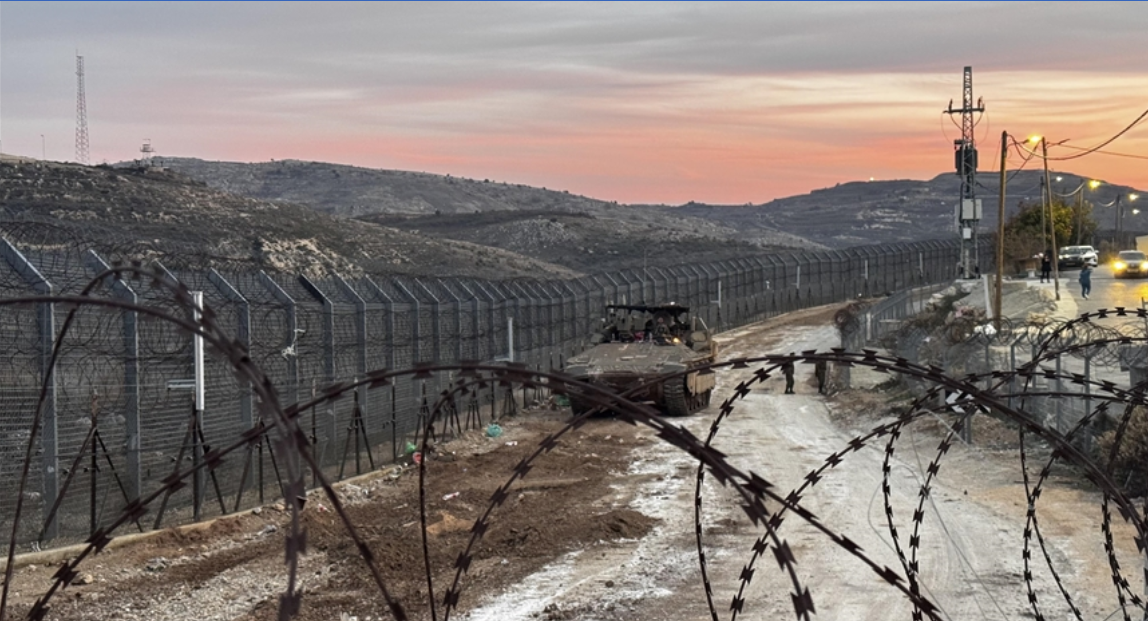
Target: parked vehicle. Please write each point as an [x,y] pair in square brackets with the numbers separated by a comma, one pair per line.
[1076,256]
[1130,264]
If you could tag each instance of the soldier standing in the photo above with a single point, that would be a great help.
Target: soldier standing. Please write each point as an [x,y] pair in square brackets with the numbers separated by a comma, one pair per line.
[787,370]
[821,370]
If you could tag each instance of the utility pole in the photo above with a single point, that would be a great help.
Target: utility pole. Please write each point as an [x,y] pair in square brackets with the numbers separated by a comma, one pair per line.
[965,152]
[1119,221]
[1079,216]
[1000,234]
[1051,221]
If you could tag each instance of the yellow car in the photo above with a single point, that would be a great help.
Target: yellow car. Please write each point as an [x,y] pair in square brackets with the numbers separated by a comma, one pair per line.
[1130,264]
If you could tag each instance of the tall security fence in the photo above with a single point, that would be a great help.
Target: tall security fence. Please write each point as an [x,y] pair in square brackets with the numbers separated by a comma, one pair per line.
[116,394]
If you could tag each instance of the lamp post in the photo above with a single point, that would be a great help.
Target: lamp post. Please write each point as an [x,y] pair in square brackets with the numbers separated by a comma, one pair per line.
[1000,232]
[43,148]
[1119,212]
[1047,198]
[1120,216]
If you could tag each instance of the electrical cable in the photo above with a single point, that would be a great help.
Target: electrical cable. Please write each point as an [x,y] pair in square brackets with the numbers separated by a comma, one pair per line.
[1118,134]
[1072,193]
[1139,157]
[881,537]
[944,527]
[943,132]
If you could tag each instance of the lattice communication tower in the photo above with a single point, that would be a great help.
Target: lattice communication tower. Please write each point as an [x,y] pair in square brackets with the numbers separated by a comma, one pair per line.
[968,211]
[81,114]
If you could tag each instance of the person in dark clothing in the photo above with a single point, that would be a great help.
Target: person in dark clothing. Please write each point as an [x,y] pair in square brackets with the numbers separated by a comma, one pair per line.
[1046,266]
[1086,280]
[787,371]
[821,370]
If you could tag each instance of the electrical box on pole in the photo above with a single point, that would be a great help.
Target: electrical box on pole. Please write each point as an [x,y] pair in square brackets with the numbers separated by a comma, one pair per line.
[968,211]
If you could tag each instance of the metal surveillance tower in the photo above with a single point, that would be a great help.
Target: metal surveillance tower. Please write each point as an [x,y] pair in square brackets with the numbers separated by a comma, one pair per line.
[81,114]
[146,153]
[968,211]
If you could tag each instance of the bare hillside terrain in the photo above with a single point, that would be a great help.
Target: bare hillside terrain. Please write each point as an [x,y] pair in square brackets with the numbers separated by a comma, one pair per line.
[151,213]
[867,212]
[848,214]
[473,204]
[580,241]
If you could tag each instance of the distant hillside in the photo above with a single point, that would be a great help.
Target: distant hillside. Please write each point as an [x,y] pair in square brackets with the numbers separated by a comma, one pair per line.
[355,191]
[584,242]
[579,233]
[860,212]
[160,214]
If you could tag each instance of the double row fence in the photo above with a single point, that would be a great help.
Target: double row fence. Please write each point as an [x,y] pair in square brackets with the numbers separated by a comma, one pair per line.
[122,384]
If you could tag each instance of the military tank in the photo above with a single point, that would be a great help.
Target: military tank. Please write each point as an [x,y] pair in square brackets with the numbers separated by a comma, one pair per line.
[637,345]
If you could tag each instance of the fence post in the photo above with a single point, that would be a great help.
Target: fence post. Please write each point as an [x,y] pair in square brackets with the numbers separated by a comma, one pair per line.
[491,327]
[243,335]
[522,306]
[436,322]
[131,375]
[46,328]
[569,321]
[389,321]
[450,297]
[290,339]
[360,347]
[1087,437]
[416,325]
[360,329]
[475,324]
[328,327]
[1058,408]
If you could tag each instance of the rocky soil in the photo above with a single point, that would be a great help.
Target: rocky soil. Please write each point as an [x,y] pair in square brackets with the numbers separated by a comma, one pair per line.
[577,232]
[602,528]
[233,567]
[156,214]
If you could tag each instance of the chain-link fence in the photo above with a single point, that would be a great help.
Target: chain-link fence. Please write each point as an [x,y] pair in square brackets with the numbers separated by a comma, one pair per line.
[118,406]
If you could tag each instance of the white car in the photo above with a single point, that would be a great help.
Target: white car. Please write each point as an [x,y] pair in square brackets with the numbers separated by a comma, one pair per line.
[1077,256]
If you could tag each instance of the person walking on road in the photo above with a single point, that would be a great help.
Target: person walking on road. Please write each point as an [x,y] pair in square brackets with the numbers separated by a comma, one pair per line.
[787,371]
[821,370]
[1046,266]
[1085,280]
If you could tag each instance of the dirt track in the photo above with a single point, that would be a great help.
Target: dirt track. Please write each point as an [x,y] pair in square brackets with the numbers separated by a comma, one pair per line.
[603,527]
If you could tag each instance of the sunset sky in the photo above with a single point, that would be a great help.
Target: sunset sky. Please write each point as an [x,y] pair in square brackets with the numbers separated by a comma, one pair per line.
[648,102]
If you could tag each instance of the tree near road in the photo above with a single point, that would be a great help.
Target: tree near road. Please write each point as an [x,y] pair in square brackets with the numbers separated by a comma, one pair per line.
[1024,238]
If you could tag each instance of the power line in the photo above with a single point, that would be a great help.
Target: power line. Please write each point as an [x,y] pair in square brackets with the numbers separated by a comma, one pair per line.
[1106,142]
[1139,157]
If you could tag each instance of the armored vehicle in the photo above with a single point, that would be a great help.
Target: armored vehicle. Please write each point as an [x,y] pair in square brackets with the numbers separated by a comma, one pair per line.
[637,345]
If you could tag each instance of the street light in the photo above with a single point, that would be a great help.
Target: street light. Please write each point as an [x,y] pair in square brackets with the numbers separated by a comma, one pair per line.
[1092,185]
[1047,206]
[1120,215]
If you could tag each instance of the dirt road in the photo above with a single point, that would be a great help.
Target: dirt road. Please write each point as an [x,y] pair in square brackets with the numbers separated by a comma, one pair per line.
[971,553]
[603,527]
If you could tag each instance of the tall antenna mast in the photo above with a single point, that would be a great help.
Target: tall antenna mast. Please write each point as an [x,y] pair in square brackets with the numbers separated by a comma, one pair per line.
[965,152]
[81,114]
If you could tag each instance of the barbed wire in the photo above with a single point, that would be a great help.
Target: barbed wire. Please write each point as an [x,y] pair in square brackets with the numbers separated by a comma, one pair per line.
[164,300]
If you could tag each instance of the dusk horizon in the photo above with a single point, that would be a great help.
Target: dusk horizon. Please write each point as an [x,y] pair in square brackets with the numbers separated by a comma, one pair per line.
[667,103]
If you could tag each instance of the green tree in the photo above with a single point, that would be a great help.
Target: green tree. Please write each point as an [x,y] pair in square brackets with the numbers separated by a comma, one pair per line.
[1072,223]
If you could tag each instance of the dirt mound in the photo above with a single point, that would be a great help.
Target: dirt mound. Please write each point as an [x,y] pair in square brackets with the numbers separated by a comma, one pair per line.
[562,505]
